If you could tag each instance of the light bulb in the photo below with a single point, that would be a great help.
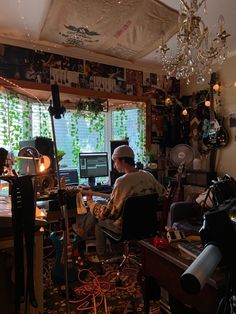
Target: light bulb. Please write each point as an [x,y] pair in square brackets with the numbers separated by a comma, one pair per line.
[216,87]
[168,101]
[185,112]
[41,167]
[207,103]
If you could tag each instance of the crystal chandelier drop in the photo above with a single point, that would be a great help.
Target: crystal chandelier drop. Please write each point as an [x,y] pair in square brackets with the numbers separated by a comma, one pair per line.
[196,51]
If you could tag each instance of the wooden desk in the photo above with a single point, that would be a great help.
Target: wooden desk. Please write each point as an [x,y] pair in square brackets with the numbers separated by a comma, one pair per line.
[167,267]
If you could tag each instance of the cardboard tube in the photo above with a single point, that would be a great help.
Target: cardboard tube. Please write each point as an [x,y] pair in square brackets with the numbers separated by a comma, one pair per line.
[196,275]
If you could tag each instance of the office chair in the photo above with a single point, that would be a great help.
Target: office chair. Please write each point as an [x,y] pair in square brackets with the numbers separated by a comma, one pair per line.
[186,216]
[139,221]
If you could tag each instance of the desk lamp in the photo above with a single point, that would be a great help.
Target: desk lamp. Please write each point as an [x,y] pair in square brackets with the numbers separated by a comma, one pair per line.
[41,162]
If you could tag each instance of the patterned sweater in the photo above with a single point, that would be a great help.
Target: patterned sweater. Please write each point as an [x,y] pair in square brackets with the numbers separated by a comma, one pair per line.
[130,184]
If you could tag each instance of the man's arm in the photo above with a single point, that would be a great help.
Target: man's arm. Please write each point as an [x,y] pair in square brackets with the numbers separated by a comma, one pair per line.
[104,211]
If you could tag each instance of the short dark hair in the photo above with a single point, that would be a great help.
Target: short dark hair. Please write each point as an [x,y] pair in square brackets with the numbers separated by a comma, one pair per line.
[128,160]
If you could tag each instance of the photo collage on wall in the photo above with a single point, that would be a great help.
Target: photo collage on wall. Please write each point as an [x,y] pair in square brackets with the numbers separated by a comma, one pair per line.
[43,67]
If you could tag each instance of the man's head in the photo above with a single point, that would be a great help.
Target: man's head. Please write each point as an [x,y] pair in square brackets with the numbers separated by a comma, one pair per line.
[123,156]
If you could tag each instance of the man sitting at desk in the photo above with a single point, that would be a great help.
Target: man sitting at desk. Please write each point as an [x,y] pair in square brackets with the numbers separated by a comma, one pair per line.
[133,182]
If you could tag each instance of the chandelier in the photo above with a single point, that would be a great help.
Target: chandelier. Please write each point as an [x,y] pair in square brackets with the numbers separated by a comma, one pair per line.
[196,50]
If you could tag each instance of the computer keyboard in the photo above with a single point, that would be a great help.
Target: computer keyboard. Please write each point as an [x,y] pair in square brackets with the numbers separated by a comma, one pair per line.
[103,188]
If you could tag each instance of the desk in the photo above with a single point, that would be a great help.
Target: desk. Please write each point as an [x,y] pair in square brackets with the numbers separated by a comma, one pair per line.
[167,267]
[6,245]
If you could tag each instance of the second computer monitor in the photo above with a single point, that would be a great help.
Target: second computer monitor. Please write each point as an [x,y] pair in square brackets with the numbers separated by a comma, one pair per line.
[93,165]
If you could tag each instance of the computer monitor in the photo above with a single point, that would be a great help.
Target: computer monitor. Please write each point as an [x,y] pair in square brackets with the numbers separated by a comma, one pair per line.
[93,165]
[70,175]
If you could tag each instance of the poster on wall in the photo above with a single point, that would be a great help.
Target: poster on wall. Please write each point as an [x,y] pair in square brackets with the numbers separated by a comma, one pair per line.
[135,78]
[157,119]
[38,66]
[103,70]
[43,67]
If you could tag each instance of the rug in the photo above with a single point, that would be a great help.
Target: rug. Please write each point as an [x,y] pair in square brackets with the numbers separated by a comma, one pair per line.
[94,293]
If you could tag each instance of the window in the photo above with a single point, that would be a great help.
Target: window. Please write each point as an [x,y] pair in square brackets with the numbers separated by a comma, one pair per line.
[22,119]
[15,125]
[129,123]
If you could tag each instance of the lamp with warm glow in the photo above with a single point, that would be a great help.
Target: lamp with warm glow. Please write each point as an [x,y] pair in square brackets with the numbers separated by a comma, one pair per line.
[216,87]
[185,112]
[207,103]
[31,154]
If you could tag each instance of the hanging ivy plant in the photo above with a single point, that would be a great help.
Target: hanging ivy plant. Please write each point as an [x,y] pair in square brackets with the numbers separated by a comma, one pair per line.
[3,118]
[95,106]
[96,123]
[74,132]
[92,111]
[121,118]
[141,134]
[43,118]
[27,126]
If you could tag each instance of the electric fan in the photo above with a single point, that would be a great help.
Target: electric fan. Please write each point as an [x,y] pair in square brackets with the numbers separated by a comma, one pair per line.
[181,155]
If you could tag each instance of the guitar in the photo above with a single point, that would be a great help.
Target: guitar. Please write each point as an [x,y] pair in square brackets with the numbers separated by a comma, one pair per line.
[214,135]
[175,193]
[58,269]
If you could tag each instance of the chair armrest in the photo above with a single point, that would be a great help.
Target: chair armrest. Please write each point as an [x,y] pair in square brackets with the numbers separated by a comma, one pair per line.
[179,211]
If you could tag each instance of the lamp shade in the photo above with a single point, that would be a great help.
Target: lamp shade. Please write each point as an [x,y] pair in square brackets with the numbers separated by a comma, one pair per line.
[44,163]
[29,152]
[29,161]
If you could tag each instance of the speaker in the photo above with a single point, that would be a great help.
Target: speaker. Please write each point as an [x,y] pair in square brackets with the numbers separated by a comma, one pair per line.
[45,147]
[114,174]
[45,183]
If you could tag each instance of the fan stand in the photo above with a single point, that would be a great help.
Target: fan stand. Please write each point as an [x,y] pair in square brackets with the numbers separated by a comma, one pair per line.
[181,155]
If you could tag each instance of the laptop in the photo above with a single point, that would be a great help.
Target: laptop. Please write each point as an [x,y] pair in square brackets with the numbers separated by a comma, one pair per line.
[70,175]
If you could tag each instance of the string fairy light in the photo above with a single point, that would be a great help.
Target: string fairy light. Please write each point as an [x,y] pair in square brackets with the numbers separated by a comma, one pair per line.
[20,88]
[21,12]
[22,18]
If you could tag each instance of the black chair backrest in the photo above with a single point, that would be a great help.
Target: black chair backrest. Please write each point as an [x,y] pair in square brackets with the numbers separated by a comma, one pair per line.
[139,219]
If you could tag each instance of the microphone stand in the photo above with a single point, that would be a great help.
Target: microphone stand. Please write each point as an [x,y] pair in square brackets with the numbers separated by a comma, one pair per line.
[61,198]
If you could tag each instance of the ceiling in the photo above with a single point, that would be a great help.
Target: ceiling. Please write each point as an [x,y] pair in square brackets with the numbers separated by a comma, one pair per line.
[136,25]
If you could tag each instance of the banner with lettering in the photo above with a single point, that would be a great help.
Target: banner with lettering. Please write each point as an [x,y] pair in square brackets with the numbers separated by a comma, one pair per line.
[124,29]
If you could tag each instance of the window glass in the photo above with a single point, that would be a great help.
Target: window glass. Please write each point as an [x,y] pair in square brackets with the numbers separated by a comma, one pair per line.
[22,119]
[129,123]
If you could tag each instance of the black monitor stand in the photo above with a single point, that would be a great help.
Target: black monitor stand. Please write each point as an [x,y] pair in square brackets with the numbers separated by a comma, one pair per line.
[91,181]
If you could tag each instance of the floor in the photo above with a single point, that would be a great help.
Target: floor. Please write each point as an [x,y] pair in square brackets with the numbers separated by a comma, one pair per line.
[93,293]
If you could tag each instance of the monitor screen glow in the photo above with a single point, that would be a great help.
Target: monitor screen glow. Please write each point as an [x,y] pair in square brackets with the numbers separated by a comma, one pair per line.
[93,165]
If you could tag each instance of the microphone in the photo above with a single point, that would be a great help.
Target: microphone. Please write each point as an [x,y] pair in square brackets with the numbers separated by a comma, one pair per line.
[56,109]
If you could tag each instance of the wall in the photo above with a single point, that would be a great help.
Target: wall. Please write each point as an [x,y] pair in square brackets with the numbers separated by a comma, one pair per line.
[49,68]
[225,156]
